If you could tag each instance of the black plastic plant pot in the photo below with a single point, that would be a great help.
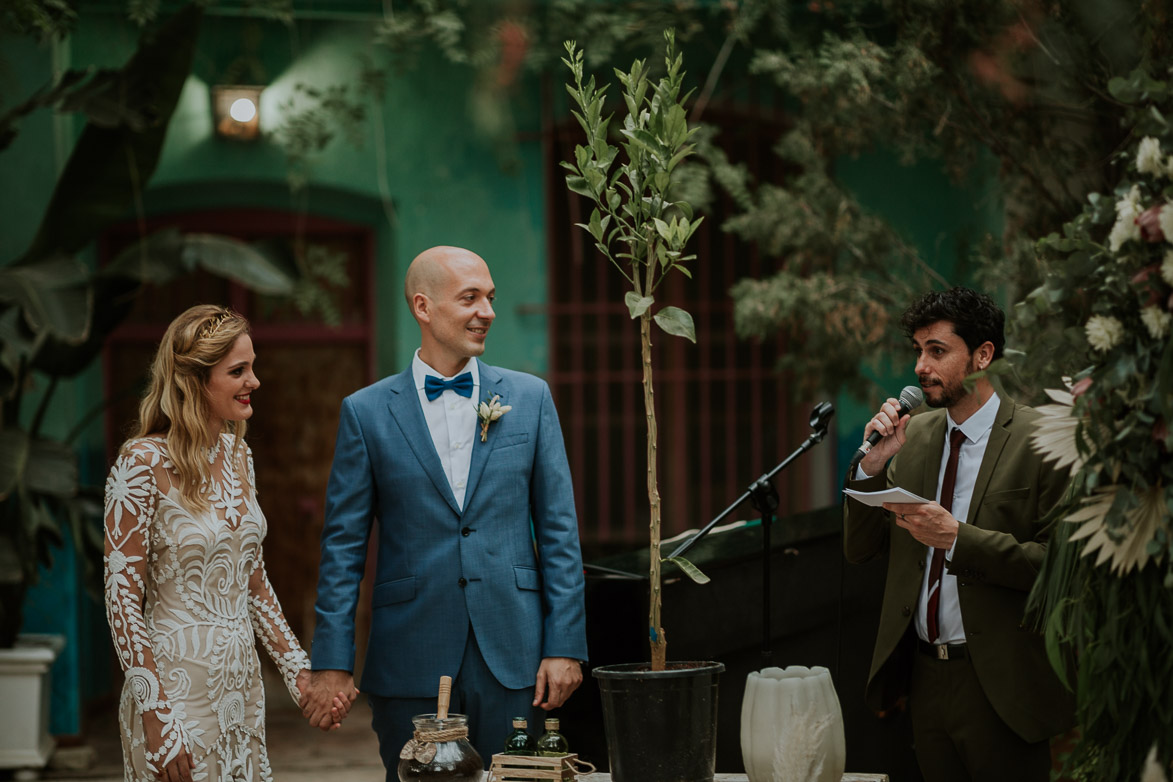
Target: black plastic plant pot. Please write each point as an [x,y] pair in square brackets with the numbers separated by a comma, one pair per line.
[661,726]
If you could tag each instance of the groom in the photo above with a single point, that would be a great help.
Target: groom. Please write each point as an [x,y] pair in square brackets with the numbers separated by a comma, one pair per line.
[478,572]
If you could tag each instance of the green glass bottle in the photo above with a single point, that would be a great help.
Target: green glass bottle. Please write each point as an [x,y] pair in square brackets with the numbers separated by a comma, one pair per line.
[519,741]
[552,742]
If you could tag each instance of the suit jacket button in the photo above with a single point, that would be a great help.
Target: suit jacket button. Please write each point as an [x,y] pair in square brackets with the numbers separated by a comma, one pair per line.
[906,611]
[466,531]
[463,581]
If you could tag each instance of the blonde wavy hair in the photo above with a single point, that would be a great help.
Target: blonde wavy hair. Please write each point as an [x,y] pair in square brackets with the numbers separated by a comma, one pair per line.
[176,402]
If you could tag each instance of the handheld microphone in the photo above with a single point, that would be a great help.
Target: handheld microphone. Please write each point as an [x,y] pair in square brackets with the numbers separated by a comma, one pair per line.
[910,399]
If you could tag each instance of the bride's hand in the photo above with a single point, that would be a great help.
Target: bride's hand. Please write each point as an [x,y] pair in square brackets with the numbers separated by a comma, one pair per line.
[341,707]
[158,748]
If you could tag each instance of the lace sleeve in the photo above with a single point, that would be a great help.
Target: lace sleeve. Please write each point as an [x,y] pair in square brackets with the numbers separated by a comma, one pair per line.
[131,494]
[269,623]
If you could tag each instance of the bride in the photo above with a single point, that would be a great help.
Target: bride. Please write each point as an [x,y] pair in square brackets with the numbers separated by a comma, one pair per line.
[186,592]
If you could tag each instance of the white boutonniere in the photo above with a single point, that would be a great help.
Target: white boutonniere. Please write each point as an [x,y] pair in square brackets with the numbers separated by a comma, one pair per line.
[489,411]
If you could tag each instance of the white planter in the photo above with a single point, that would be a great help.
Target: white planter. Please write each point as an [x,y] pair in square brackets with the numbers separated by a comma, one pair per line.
[792,726]
[25,742]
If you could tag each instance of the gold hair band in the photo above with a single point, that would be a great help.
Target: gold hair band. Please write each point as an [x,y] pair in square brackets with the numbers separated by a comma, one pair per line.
[211,329]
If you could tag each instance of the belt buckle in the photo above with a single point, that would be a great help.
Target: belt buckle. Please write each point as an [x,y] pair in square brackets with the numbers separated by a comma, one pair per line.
[942,651]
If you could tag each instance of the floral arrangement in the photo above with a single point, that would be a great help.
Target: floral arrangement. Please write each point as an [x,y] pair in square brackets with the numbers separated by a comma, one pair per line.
[488,412]
[1102,320]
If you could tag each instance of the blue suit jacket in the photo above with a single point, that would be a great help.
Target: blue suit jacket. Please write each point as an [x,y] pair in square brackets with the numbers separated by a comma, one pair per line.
[439,570]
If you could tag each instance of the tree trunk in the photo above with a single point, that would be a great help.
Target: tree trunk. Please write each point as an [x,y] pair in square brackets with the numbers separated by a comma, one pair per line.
[659,644]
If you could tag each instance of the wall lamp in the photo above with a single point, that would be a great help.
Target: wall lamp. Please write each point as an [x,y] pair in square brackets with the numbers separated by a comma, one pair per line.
[236,110]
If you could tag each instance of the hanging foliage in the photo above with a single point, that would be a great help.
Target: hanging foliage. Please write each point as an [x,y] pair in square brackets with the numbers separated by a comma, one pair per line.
[1103,316]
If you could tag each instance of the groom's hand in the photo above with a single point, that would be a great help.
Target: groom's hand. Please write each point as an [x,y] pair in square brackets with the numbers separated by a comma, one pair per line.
[558,677]
[326,691]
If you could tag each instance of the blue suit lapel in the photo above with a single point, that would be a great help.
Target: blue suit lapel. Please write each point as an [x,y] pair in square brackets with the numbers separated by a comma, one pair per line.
[407,414]
[492,383]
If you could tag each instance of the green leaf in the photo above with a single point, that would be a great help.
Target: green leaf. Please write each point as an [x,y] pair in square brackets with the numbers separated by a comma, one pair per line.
[643,139]
[637,305]
[578,184]
[676,322]
[109,167]
[53,293]
[1122,89]
[663,229]
[237,261]
[51,468]
[1164,381]
[690,570]
[14,450]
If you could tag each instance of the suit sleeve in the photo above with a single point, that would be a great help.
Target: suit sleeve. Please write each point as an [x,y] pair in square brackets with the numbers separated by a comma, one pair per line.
[350,511]
[865,528]
[556,532]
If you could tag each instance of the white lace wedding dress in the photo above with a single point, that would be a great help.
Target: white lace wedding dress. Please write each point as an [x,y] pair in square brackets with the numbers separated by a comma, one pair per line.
[186,597]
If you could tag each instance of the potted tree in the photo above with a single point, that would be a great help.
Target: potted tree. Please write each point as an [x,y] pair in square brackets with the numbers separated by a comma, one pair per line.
[659,718]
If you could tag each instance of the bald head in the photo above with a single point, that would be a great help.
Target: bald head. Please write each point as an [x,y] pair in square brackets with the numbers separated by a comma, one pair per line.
[435,267]
[450,293]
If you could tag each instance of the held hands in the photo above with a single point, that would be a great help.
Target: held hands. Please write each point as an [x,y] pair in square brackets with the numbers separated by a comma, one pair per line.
[889,423]
[928,522]
[326,697]
[158,748]
[560,676]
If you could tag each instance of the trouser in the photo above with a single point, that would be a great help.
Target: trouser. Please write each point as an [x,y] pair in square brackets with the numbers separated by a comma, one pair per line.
[958,735]
[489,705]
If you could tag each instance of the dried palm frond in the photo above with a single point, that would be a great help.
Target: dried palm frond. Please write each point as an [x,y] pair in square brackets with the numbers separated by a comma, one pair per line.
[1126,546]
[1055,433]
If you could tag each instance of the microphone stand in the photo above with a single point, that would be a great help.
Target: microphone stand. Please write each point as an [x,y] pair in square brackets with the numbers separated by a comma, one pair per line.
[764,497]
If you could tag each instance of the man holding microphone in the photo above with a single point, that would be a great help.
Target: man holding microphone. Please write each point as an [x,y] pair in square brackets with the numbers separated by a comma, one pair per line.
[983,699]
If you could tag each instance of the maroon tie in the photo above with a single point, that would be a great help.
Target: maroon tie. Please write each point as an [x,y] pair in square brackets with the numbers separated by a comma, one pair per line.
[933,609]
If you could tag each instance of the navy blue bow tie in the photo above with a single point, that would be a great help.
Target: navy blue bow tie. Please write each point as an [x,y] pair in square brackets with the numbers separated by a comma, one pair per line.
[461,384]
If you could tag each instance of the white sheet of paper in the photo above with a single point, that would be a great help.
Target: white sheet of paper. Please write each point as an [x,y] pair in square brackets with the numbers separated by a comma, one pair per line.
[878,498]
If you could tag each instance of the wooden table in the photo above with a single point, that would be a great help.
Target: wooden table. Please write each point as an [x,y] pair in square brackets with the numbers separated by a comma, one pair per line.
[744,778]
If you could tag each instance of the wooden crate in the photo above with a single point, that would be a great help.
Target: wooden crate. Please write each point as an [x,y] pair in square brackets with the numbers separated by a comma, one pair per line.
[525,768]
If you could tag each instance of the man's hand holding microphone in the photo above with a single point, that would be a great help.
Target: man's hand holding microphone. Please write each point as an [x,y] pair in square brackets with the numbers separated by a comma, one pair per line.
[884,433]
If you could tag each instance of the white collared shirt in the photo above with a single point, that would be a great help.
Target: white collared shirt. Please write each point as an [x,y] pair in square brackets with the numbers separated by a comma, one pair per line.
[452,422]
[977,429]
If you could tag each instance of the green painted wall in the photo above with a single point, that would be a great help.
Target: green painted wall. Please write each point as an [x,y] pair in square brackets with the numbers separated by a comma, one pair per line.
[944,220]
[443,179]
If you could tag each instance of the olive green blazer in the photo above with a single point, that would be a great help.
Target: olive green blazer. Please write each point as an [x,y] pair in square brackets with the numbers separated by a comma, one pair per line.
[996,559]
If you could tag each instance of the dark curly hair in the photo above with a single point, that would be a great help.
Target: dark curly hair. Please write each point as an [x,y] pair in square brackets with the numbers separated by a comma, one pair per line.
[975,317]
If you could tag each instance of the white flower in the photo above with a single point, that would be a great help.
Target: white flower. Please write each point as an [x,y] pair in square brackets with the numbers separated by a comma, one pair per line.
[1156,320]
[489,411]
[1148,157]
[1167,267]
[1125,229]
[1104,332]
[1166,220]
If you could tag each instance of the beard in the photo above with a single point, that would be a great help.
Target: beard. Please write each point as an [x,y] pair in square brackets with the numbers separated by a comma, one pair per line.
[946,393]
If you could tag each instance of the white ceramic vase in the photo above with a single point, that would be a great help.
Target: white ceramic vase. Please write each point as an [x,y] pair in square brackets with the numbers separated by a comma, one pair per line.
[792,726]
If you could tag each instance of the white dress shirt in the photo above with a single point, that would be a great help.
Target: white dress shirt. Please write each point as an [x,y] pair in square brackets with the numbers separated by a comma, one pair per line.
[977,430]
[452,422]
